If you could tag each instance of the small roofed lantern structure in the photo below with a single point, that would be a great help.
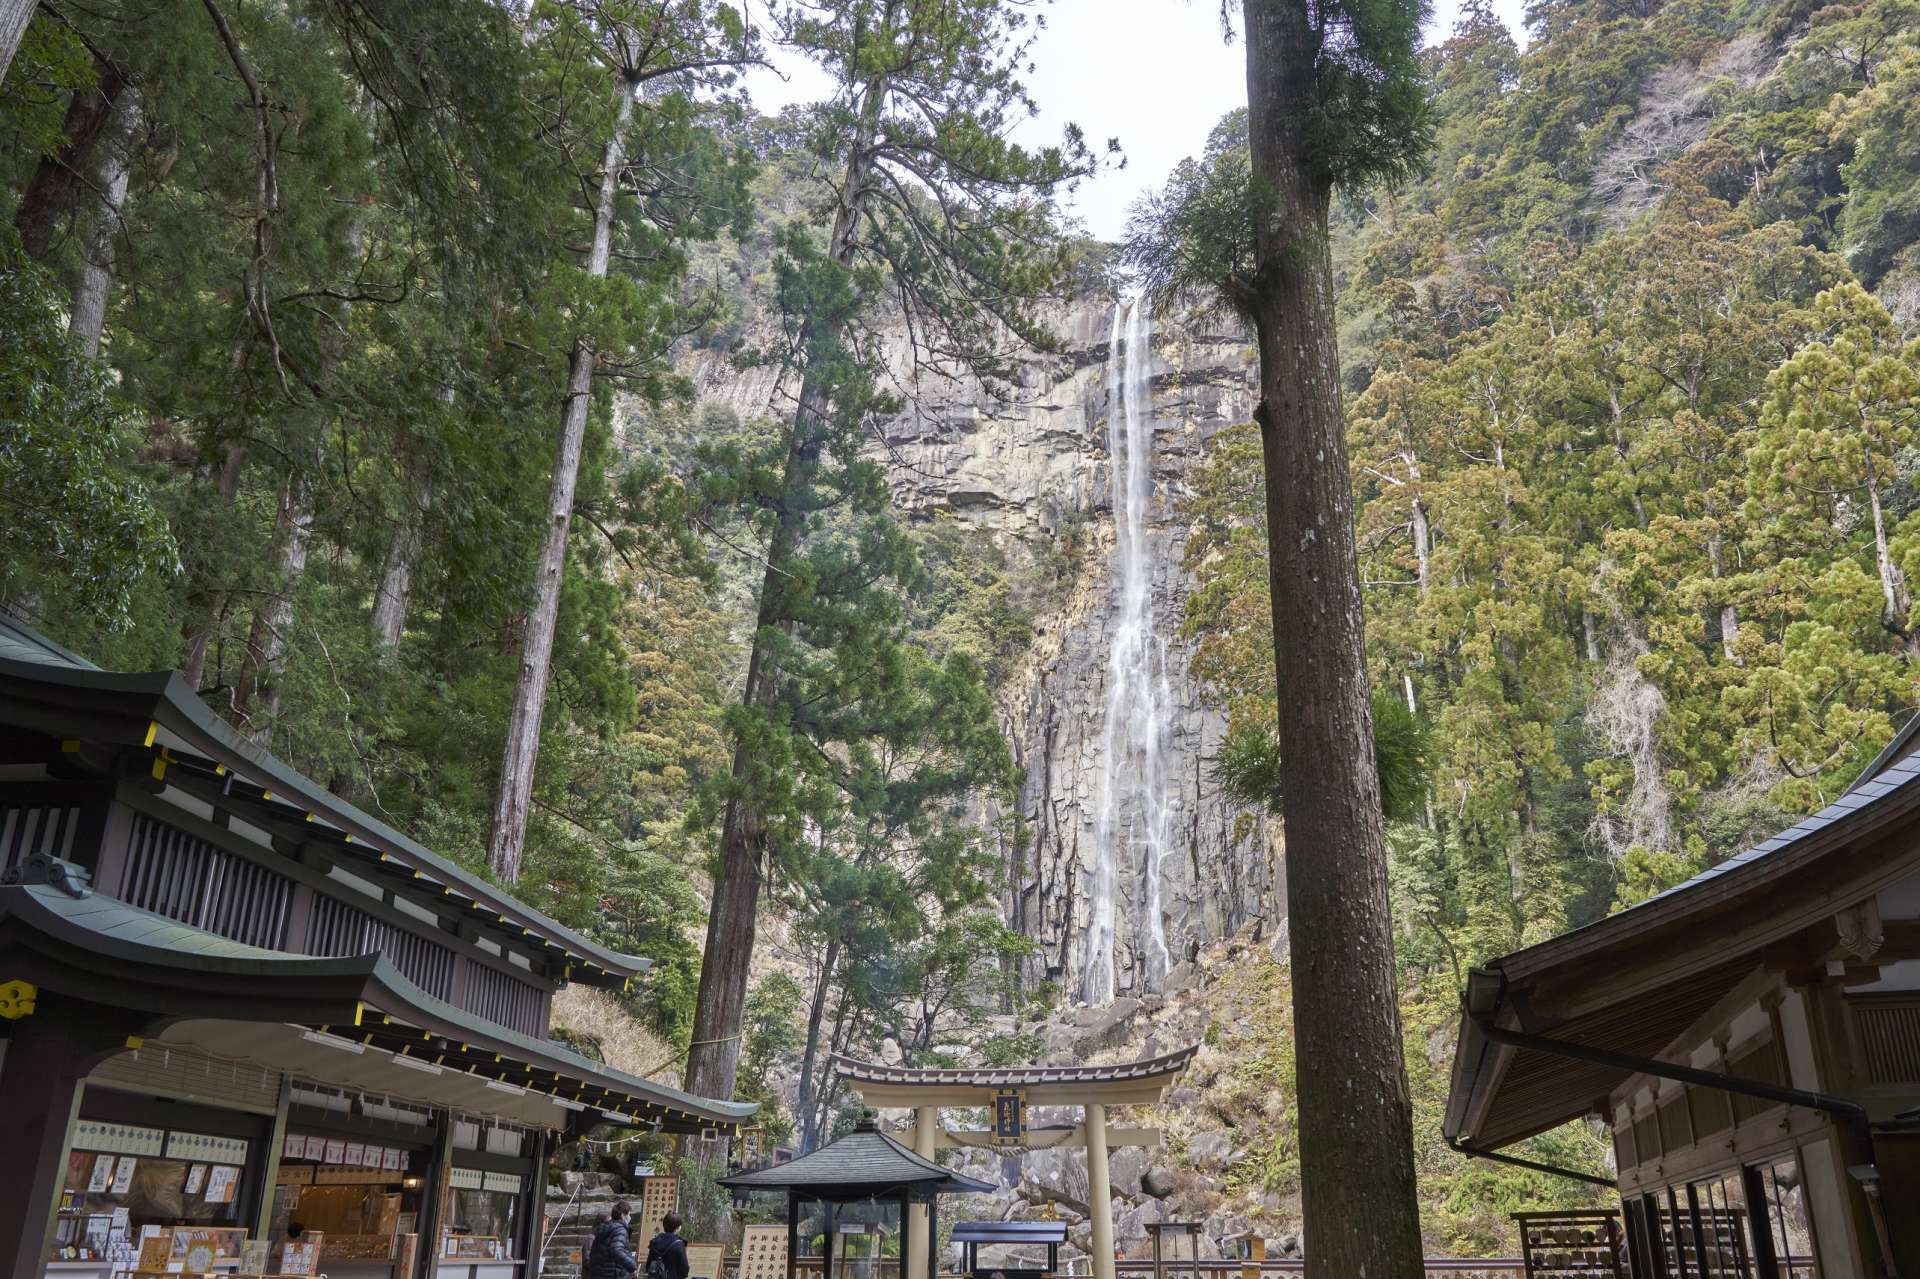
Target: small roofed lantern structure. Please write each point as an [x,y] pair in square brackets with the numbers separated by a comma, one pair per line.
[860,1187]
[1170,1240]
[1007,1093]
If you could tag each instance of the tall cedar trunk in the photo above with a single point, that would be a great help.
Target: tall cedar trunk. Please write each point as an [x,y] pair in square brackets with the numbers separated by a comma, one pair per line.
[256,695]
[507,836]
[394,595]
[14,17]
[115,160]
[395,592]
[60,180]
[203,598]
[714,1056]
[809,1128]
[1356,1115]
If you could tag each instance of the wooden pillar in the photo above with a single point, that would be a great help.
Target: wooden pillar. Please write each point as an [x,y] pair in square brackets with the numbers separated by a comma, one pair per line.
[1099,1191]
[793,1234]
[536,1202]
[52,1045]
[433,1198]
[933,1235]
[276,1146]
[918,1226]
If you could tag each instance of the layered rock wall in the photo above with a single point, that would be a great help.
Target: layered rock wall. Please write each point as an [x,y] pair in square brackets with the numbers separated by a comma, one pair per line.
[1028,464]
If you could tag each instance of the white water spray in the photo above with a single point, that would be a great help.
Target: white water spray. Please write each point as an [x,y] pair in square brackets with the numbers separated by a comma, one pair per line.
[1134,820]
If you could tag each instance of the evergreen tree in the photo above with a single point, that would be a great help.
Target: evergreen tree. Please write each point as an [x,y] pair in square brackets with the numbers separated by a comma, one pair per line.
[929,204]
[640,45]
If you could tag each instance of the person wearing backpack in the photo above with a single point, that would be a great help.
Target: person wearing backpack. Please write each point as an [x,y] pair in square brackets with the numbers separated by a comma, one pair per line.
[667,1251]
[610,1256]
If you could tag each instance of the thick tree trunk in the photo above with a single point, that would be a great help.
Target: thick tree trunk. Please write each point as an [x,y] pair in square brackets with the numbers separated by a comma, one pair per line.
[507,836]
[115,160]
[1359,1205]
[60,180]
[256,696]
[14,17]
[725,964]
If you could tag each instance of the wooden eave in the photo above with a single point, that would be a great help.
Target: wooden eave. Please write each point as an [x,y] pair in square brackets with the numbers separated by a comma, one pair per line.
[153,726]
[106,952]
[1636,981]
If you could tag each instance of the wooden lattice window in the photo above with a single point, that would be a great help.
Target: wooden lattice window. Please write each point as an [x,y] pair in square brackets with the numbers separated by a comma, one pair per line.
[1711,1110]
[1676,1126]
[183,877]
[341,928]
[506,1000]
[37,828]
[1646,1139]
[1887,1032]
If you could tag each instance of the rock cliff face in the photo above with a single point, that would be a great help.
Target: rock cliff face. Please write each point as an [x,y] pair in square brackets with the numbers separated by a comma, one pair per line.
[1029,465]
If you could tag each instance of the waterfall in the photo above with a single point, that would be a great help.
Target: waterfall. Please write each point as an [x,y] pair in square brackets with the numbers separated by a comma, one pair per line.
[1133,824]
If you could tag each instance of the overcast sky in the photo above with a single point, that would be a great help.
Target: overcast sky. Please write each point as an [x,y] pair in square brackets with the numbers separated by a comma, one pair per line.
[1153,73]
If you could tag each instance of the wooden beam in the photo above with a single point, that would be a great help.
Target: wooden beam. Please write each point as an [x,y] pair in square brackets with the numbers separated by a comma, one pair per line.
[1074,1138]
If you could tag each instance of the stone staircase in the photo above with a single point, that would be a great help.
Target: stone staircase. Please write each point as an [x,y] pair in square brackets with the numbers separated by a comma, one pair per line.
[574,1208]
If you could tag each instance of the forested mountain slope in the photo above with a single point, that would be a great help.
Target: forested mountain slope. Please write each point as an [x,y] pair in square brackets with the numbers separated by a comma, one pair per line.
[1632,404]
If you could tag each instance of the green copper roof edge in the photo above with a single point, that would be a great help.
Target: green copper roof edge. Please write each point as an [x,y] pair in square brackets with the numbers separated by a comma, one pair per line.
[66,918]
[481,1030]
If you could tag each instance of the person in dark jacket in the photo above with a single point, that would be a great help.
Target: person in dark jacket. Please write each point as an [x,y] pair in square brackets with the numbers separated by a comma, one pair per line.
[610,1256]
[669,1249]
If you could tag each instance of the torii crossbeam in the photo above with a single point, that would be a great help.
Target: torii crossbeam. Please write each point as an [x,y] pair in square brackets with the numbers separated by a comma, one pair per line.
[1006,1092]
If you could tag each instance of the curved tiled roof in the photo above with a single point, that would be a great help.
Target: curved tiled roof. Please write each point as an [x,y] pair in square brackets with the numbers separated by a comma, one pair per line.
[864,1163]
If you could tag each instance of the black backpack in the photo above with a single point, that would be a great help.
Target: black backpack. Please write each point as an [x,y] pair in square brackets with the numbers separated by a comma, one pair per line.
[601,1234]
[657,1259]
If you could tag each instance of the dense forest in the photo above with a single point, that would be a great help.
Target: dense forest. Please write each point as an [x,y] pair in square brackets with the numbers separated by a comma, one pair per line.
[342,371]
[1632,410]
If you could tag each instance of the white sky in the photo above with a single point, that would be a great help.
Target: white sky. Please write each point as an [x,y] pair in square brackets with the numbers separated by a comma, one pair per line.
[1154,73]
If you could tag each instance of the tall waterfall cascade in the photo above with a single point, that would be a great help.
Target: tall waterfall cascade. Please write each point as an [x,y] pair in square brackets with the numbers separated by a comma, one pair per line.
[1133,824]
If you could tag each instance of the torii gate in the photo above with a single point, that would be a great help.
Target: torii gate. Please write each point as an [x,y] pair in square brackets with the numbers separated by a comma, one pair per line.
[1006,1093]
